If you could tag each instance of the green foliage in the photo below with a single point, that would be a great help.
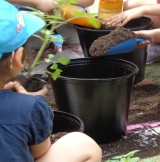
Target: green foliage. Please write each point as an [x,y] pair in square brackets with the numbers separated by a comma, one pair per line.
[146,160]
[57,72]
[55,21]
[125,158]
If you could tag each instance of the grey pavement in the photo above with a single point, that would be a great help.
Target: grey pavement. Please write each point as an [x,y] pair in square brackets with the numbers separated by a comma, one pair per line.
[66,53]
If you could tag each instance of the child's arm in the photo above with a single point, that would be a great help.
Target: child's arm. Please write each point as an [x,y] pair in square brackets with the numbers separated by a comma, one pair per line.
[85,3]
[45,6]
[40,149]
[128,15]
[152,35]
[20,89]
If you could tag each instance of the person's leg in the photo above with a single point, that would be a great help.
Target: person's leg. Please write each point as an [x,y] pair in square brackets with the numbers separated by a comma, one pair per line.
[129,4]
[73,147]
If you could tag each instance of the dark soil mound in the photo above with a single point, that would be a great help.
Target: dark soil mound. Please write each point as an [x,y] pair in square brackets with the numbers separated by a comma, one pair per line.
[104,43]
[105,26]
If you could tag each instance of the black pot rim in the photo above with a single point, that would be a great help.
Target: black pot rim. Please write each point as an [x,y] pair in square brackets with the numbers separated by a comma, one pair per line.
[101,80]
[133,29]
[69,117]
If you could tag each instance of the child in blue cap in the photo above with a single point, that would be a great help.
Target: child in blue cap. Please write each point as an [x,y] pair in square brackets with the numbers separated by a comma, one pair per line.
[25,119]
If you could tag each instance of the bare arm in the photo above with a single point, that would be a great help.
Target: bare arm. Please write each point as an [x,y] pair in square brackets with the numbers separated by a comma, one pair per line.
[46,6]
[40,149]
[32,2]
[134,13]
[85,3]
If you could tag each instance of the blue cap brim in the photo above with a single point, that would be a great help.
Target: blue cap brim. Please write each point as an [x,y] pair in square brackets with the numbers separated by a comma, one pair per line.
[32,23]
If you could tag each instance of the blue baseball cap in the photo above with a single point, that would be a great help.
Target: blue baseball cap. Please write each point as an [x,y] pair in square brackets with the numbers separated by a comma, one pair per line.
[16,27]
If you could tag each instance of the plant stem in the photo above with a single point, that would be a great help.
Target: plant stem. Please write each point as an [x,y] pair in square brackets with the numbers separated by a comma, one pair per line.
[46,40]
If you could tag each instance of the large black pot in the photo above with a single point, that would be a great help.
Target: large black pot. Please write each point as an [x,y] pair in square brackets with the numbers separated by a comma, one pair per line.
[97,90]
[65,122]
[137,56]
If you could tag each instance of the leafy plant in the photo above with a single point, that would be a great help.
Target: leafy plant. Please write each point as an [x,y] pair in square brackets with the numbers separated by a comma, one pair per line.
[55,21]
[125,158]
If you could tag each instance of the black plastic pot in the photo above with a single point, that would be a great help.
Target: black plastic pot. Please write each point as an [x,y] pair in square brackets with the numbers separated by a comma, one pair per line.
[97,90]
[31,84]
[65,122]
[137,56]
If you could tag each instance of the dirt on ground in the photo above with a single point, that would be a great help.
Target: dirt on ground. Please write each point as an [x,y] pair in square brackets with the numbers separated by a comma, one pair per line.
[57,136]
[144,107]
[104,43]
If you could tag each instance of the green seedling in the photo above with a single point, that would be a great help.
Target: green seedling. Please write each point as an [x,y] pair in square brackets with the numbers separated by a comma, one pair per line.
[125,158]
[55,21]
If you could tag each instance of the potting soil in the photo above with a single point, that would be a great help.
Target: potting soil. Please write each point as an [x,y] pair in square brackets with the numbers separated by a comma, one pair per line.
[105,26]
[144,108]
[104,43]
[57,136]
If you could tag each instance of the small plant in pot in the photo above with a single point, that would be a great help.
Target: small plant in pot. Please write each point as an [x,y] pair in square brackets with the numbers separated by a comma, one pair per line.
[54,21]
[66,122]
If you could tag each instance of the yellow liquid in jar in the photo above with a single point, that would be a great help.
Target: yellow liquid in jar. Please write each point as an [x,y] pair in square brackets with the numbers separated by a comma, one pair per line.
[109,8]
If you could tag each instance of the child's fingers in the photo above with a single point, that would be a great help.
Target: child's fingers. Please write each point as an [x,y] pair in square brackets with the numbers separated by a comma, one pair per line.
[143,44]
[9,85]
[16,86]
[19,88]
[42,91]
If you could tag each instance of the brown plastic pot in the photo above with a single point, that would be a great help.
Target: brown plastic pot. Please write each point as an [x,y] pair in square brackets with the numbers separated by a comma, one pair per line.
[137,56]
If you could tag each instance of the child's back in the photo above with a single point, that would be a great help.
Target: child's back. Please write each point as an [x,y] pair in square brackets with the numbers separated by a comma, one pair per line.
[24,120]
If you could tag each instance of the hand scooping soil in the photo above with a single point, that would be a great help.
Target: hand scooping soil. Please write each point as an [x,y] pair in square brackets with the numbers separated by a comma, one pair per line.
[104,43]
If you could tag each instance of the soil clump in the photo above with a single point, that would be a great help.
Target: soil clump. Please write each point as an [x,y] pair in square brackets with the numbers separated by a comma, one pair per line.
[104,43]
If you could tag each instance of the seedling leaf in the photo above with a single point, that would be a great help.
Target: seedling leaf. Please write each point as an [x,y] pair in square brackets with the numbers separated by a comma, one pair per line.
[56,74]
[147,160]
[50,56]
[79,14]
[54,66]
[118,157]
[134,159]
[64,60]
[93,22]
[131,153]
[47,60]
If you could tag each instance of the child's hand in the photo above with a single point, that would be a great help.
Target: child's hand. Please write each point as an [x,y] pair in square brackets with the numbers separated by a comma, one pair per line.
[20,89]
[46,6]
[125,16]
[145,34]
